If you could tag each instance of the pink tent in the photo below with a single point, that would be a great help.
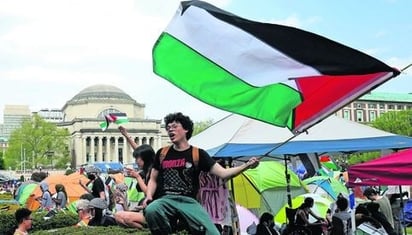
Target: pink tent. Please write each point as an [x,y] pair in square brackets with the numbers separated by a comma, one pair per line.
[393,169]
[246,218]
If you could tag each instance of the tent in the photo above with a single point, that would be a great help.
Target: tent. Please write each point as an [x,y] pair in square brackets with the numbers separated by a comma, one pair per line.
[236,136]
[326,186]
[319,208]
[246,218]
[393,169]
[24,191]
[263,189]
[106,167]
[70,182]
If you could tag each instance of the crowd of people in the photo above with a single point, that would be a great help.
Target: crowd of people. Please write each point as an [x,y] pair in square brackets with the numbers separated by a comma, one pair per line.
[170,180]
[377,213]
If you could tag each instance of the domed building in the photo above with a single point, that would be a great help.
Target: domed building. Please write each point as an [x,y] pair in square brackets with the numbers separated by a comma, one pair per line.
[83,114]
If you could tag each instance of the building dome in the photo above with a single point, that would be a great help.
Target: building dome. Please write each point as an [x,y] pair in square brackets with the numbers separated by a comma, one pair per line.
[101,92]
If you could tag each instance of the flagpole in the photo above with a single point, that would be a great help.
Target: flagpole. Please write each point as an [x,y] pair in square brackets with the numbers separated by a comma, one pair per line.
[287,175]
[280,145]
[407,67]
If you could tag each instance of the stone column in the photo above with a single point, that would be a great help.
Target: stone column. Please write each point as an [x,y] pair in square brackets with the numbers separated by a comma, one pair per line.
[83,158]
[125,151]
[159,142]
[99,149]
[116,149]
[92,149]
[108,157]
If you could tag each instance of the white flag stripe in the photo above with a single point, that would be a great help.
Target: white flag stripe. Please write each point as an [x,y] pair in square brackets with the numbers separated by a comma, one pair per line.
[258,65]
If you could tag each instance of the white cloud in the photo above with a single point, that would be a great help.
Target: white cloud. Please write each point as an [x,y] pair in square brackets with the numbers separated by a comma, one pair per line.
[54,49]
[61,77]
[73,31]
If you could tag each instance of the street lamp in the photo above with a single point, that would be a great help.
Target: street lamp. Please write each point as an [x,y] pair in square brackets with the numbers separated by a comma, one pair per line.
[50,154]
[23,159]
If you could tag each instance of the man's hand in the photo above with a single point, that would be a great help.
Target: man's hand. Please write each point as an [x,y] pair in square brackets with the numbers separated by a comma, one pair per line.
[252,163]
[146,202]
[123,131]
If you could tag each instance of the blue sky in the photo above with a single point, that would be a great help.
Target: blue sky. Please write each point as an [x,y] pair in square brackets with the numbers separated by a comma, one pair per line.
[50,50]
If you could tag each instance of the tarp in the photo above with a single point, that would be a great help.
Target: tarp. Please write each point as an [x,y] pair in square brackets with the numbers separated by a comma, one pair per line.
[236,136]
[392,169]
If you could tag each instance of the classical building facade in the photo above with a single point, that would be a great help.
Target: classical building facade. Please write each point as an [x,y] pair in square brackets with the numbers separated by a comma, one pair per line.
[370,106]
[85,111]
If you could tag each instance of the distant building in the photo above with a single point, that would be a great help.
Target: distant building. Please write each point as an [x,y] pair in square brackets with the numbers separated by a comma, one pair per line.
[372,105]
[85,111]
[51,115]
[3,145]
[13,116]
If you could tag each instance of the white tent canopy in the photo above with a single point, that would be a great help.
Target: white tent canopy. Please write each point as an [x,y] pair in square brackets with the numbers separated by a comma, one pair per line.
[236,136]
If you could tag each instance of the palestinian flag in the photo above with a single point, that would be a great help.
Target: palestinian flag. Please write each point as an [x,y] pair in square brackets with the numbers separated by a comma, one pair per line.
[118,118]
[277,74]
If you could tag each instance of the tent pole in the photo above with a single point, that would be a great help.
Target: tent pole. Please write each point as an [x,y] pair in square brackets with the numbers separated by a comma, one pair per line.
[280,145]
[231,180]
[402,212]
[287,175]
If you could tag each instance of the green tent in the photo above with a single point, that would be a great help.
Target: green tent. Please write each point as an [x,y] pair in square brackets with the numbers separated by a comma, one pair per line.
[264,189]
[320,207]
[132,194]
[326,186]
[24,191]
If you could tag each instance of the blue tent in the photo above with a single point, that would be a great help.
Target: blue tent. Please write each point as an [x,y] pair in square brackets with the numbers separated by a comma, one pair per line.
[237,136]
[106,166]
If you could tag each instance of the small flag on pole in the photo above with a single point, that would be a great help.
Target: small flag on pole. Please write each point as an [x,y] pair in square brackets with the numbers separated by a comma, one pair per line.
[118,118]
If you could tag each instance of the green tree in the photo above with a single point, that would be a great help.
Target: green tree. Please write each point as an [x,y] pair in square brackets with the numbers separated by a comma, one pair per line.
[362,157]
[2,167]
[37,142]
[397,122]
[201,126]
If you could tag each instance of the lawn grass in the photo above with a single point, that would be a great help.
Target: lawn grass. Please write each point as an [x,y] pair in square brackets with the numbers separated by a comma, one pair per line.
[409,230]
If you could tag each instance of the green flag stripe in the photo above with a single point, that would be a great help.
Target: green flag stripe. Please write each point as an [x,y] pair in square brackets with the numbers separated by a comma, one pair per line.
[121,119]
[208,82]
